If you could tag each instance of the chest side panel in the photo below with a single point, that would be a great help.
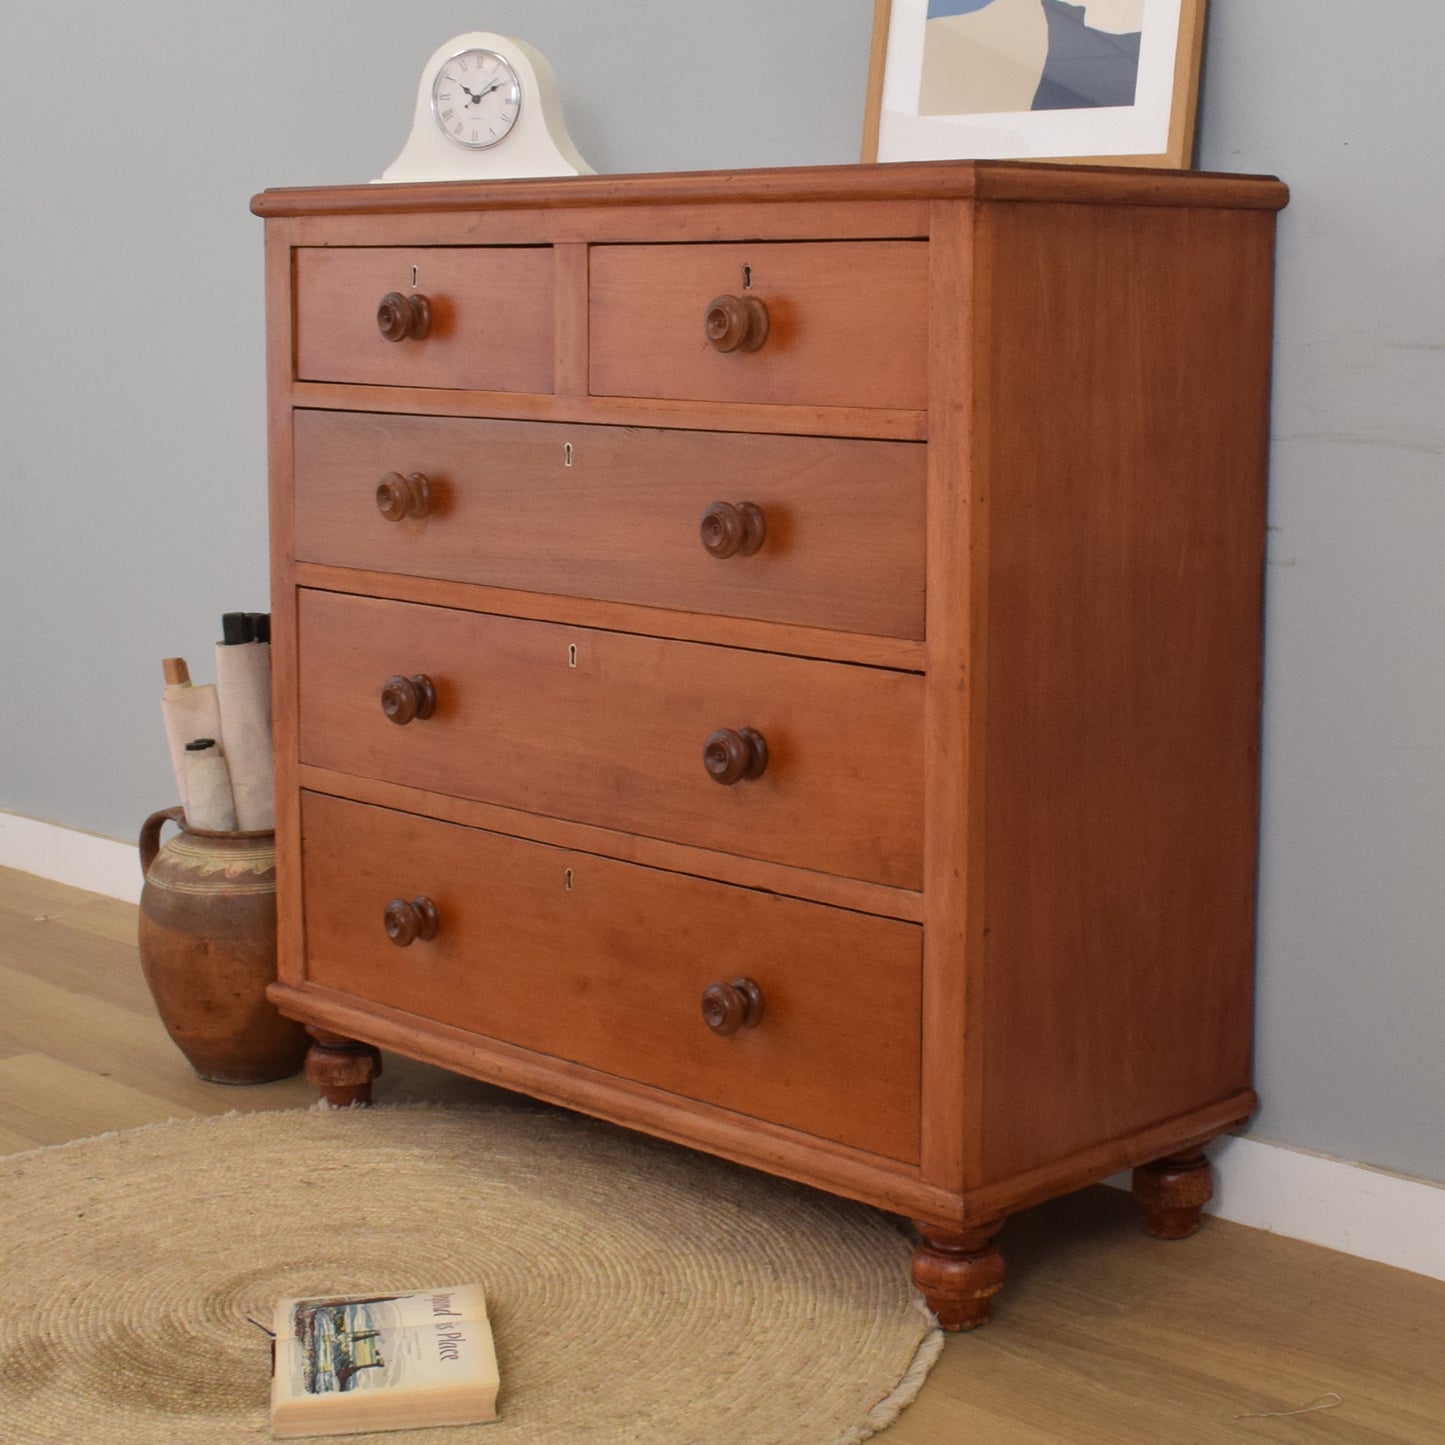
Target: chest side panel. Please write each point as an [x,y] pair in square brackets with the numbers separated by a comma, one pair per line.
[1126,540]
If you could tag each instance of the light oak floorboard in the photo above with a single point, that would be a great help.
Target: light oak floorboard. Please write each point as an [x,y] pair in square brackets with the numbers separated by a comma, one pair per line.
[1102,1336]
[46,1101]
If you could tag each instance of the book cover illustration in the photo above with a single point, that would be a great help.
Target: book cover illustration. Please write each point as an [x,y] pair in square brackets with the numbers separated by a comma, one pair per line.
[357,1361]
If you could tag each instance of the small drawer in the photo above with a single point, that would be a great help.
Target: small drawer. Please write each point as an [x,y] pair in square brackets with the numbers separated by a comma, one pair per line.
[808,530]
[606,964]
[488,324]
[622,731]
[846,323]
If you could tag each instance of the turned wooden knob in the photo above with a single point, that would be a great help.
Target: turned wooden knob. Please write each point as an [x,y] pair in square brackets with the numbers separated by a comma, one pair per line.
[405,698]
[733,531]
[407,921]
[731,755]
[401,318]
[728,1007]
[400,496]
[735,323]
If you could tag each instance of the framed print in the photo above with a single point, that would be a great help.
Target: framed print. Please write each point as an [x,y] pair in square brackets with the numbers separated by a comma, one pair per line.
[1060,80]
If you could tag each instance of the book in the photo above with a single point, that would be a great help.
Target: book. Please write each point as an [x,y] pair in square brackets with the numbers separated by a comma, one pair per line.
[383,1362]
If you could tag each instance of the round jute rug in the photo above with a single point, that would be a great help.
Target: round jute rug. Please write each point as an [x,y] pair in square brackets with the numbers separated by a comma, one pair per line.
[638,1291]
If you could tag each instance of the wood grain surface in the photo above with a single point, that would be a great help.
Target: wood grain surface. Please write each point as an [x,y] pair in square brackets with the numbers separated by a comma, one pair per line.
[1125,567]
[608,728]
[491,316]
[614,513]
[848,322]
[605,964]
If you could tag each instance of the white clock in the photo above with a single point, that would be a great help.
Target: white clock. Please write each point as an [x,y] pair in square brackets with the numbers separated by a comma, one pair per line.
[487,106]
[476,98]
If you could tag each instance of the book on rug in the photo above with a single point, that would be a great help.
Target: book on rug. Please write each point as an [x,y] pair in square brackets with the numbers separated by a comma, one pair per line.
[383,1362]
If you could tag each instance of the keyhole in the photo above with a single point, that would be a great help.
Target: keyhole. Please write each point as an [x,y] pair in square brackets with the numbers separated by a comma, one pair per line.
[413,278]
[747,278]
[571,654]
[567,879]
[567,454]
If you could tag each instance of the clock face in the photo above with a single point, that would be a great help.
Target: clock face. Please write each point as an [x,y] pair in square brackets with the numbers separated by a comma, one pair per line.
[475,99]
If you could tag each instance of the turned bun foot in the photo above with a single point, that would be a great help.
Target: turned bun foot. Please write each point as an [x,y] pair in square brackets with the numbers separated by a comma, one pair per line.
[1173,1193]
[341,1068]
[958,1274]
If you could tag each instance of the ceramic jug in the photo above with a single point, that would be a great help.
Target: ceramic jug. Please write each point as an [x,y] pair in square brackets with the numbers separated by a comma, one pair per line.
[208,949]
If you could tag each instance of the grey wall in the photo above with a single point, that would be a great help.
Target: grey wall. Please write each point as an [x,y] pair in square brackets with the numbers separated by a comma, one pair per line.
[1345,103]
[132,470]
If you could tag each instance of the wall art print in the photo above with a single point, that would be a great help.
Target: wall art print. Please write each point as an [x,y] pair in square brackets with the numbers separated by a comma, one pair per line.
[1082,80]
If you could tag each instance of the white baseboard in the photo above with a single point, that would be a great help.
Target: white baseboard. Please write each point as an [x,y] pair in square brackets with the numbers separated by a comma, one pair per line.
[1390,1218]
[67,855]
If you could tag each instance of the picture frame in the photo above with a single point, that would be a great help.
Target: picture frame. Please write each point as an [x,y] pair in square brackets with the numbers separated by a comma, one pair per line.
[1034,80]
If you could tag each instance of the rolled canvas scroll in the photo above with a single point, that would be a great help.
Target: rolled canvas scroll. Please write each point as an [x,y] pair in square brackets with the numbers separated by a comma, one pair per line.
[208,788]
[243,683]
[188,712]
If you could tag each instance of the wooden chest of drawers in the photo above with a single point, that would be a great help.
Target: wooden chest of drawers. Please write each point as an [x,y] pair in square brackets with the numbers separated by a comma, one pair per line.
[774,660]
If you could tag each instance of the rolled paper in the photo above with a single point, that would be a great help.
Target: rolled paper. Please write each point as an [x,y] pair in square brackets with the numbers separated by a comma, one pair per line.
[187,712]
[243,685]
[208,787]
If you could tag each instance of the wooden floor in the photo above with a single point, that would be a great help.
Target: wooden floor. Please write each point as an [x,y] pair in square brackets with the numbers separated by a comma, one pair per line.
[1101,1335]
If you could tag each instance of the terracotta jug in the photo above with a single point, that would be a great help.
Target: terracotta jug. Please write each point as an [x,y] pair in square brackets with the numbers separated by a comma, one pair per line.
[208,949]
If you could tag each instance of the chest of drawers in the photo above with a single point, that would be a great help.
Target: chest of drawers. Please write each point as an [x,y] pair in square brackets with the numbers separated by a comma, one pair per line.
[773,660]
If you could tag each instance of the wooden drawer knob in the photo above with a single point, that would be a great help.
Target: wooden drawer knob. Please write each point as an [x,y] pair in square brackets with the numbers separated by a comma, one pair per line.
[405,698]
[400,318]
[731,755]
[728,1007]
[408,921]
[733,531]
[735,323]
[398,496]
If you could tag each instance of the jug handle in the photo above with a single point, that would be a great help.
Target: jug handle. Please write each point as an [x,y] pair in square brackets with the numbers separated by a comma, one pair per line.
[150,834]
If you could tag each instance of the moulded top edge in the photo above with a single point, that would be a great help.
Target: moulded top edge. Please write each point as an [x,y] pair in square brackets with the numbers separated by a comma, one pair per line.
[885,181]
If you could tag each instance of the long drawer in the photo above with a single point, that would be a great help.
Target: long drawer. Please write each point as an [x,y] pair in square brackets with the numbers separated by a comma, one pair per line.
[617,730]
[490,323]
[625,514]
[847,322]
[606,964]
